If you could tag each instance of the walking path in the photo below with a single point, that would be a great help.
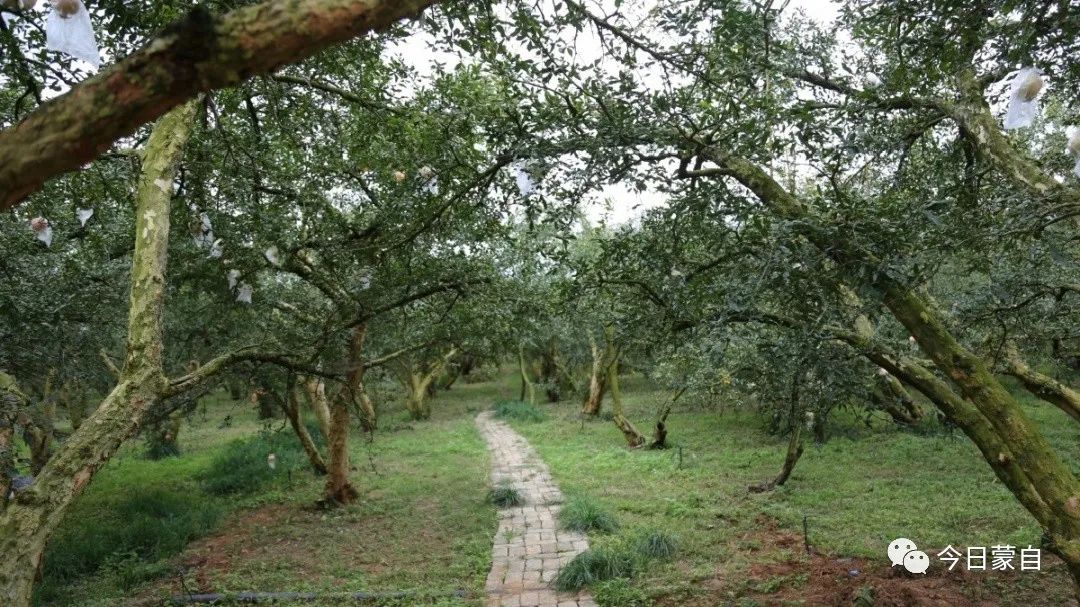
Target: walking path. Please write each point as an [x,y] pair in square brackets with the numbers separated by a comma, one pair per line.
[529,548]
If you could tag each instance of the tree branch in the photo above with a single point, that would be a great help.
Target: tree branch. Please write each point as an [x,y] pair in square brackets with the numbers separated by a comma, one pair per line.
[199,53]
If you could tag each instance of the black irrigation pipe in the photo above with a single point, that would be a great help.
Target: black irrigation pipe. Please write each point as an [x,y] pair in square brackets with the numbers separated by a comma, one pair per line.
[270,597]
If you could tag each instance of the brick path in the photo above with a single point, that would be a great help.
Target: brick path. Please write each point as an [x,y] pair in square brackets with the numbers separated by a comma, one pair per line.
[529,548]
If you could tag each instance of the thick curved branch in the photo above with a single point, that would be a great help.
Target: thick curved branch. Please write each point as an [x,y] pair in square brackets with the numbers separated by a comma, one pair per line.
[199,53]
[217,365]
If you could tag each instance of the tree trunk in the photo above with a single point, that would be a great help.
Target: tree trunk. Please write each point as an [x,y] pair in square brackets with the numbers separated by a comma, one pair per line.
[1040,470]
[7,457]
[316,398]
[795,444]
[634,438]
[339,490]
[597,380]
[527,386]
[1042,386]
[29,520]
[236,388]
[291,407]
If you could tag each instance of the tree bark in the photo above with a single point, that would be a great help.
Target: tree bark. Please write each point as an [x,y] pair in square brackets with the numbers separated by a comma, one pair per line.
[315,389]
[634,437]
[594,398]
[199,53]
[29,520]
[338,490]
[1045,472]
[291,407]
[1042,386]
[527,386]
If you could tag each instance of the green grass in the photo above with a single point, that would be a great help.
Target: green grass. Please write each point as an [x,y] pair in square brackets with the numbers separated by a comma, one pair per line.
[653,544]
[599,563]
[518,411]
[581,513]
[859,490]
[505,496]
[414,528]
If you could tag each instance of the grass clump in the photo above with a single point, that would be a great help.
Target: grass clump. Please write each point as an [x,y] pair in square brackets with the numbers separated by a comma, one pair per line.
[242,467]
[655,544]
[130,538]
[619,593]
[596,565]
[584,515]
[518,411]
[505,495]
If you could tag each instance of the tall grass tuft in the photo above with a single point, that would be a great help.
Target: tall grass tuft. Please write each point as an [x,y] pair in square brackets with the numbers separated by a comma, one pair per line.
[241,467]
[596,565]
[518,411]
[584,515]
[505,495]
[654,544]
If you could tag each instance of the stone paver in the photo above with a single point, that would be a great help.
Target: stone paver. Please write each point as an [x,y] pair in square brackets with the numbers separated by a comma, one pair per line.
[529,547]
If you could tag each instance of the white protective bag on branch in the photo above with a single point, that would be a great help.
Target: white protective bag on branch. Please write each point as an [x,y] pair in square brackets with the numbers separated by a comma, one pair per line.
[243,294]
[1073,147]
[42,229]
[68,30]
[1023,102]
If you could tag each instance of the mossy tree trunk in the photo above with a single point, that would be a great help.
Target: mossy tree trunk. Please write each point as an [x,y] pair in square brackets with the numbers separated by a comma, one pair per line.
[416,379]
[1041,480]
[29,520]
[795,443]
[528,388]
[1042,386]
[291,407]
[598,376]
[634,437]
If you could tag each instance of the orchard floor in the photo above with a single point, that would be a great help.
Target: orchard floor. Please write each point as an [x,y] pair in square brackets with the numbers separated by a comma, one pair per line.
[423,523]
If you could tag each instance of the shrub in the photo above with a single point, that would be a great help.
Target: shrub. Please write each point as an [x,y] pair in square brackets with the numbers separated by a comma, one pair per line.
[596,565]
[656,545]
[241,467]
[619,593]
[518,410]
[582,514]
[505,496]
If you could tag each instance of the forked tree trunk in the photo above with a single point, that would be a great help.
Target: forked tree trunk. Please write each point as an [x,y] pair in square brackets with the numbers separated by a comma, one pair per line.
[416,382]
[660,432]
[291,407]
[634,437]
[1042,386]
[594,398]
[29,520]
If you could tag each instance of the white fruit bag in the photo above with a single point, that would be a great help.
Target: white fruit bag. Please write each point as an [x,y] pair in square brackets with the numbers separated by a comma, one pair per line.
[1023,103]
[68,30]
[1073,147]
